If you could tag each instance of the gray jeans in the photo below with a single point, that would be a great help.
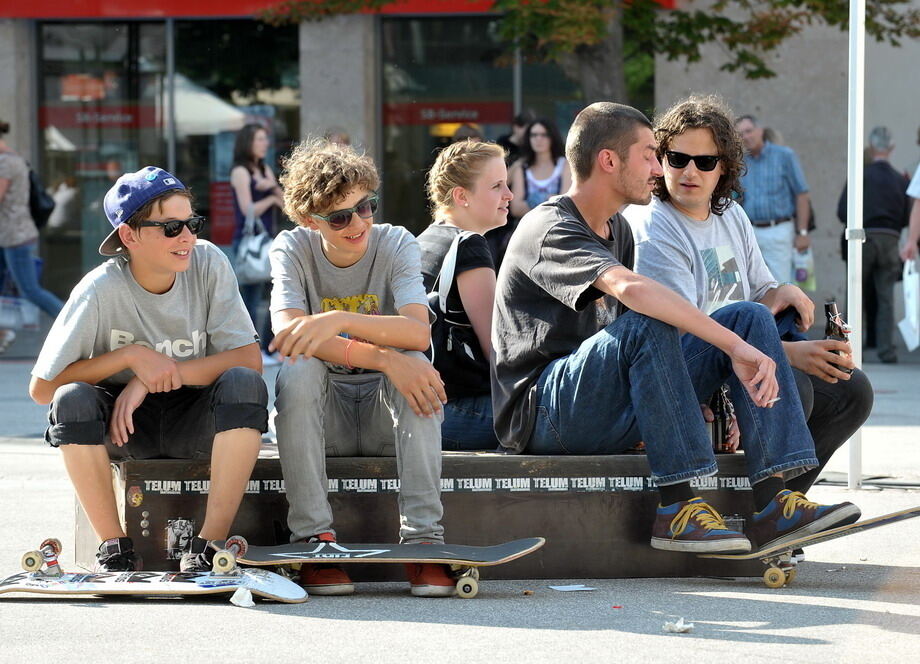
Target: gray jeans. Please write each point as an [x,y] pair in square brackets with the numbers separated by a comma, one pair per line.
[324,414]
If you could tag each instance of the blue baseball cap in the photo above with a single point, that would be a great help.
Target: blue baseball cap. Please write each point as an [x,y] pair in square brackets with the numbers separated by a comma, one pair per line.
[129,193]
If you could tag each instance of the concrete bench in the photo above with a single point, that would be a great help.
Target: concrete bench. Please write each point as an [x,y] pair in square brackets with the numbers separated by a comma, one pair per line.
[594,511]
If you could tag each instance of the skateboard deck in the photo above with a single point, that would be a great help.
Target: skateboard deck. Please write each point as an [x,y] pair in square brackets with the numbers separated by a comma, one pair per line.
[781,570]
[260,582]
[43,574]
[464,559]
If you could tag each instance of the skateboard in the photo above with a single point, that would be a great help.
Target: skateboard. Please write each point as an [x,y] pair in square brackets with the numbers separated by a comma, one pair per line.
[778,558]
[43,574]
[463,560]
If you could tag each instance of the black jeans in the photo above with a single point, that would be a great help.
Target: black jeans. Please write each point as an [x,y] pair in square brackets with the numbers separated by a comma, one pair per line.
[834,411]
[881,270]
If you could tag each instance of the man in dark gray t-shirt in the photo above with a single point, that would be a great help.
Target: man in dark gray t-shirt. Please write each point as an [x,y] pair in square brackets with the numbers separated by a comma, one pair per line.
[587,357]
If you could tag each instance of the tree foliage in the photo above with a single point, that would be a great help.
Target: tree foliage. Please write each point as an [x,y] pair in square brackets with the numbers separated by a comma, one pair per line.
[572,32]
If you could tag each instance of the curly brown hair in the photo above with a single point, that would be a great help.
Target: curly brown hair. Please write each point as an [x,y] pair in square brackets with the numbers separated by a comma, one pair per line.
[704,112]
[318,173]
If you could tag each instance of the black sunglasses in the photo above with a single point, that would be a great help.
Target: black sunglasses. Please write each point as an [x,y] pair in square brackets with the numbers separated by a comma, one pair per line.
[174,227]
[341,218]
[704,162]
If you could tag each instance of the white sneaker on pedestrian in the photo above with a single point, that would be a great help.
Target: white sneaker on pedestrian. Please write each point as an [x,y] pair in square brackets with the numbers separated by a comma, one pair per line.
[7,337]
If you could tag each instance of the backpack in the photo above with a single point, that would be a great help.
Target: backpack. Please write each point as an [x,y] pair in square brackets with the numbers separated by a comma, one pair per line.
[455,349]
[41,205]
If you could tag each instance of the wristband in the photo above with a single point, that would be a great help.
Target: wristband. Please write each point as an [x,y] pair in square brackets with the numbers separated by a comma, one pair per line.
[802,232]
[348,348]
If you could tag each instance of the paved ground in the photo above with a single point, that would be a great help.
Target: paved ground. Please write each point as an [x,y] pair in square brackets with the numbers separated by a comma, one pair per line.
[855,599]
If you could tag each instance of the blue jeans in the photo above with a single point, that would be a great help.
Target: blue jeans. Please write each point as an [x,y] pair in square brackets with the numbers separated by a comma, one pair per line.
[468,424]
[636,380]
[21,264]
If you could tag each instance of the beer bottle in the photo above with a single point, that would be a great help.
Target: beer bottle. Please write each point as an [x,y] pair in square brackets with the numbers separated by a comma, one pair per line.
[835,328]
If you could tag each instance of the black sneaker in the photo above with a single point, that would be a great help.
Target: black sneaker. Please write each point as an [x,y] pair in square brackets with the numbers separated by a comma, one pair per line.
[791,515]
[198,558]
[117,555]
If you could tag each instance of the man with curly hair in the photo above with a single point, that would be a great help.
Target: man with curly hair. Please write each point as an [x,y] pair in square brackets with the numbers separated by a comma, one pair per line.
[350,316]
[588,357]
[696,240]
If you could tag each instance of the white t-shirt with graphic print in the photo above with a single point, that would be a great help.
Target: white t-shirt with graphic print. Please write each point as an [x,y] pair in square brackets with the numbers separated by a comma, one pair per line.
[711,263]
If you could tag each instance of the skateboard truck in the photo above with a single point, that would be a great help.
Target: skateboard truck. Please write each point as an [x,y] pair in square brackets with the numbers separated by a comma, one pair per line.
[224,561]
[45,556]
[467,580]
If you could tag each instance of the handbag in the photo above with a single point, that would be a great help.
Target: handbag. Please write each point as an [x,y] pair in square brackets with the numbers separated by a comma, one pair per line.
[252,265]
[455,349]
[910,325]
[41,204]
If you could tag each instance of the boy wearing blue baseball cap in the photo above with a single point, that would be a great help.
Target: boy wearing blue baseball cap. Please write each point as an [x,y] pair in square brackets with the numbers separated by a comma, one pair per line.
[154,356]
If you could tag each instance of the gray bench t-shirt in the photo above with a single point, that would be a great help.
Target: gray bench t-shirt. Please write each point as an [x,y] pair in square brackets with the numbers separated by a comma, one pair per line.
[546,305]
[385,279]
[201,315]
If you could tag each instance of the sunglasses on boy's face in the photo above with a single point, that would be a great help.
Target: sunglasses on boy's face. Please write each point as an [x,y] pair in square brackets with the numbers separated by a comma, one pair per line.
[704,162]
[341,218]
[174,227]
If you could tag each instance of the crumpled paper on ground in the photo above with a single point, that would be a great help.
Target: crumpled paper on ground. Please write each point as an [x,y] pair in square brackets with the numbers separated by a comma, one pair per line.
[242,597]
[679,627]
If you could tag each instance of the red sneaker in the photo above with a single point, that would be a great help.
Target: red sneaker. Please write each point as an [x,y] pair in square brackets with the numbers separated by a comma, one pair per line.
[325,579]
[430,580]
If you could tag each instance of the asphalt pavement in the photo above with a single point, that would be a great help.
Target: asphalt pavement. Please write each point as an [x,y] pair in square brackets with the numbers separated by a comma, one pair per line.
[855,599]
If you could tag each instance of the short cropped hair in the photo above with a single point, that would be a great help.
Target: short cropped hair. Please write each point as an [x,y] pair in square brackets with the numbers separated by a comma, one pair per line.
[458,165]
[603,125]
[880,139]
[318,173]
[710,113]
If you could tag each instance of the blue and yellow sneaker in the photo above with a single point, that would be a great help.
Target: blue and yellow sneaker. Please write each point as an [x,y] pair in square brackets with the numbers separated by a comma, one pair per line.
[791,515]
[695,526]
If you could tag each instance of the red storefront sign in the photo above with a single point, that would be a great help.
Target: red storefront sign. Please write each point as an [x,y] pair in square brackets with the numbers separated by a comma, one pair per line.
[431,113]
[203,8]
[125,116]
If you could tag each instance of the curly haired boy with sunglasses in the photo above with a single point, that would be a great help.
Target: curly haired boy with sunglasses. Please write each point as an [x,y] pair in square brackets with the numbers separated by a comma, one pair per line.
[350,315]
[154,356]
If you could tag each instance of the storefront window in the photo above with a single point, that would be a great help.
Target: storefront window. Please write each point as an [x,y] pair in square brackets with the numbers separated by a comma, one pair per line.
[102,113]
[230,73]
[438,74]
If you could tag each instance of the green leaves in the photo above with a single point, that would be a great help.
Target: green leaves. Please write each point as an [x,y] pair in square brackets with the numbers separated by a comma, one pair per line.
[747,30]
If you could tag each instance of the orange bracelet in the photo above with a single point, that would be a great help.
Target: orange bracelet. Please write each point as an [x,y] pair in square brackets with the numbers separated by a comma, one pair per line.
[348,348]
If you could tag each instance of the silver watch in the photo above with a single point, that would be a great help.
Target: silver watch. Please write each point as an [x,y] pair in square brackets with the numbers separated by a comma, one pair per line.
[802,231]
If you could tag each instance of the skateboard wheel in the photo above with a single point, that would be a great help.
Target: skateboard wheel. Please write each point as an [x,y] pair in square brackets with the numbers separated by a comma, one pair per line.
[774,577]
[236,545]
[467,587]
[790,575]
[54,543]
[32,561]
[223,562]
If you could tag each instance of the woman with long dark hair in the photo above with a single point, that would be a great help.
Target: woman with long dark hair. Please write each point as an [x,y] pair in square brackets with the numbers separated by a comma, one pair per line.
[542,171]
[255,191]
[19,235]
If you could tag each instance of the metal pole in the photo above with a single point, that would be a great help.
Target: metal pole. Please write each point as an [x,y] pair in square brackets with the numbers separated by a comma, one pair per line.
[855,235]
[517,74]
[171,95]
